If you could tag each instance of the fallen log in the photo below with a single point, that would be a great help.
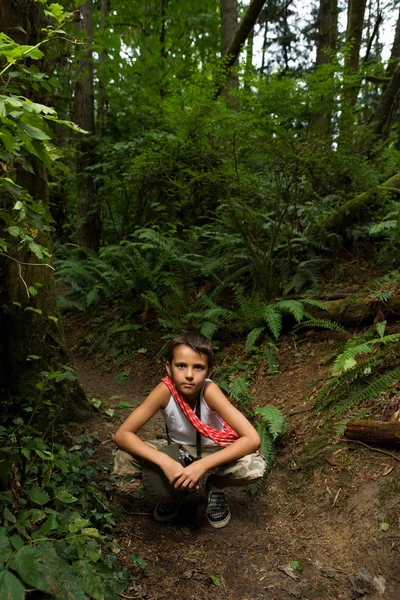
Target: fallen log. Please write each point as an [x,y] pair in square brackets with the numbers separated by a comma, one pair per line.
[358,308]
[375,432]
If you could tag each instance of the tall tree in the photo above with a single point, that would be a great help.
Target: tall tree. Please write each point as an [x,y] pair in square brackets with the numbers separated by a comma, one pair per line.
[32,338]
[321,116]
[355,23]
[242,33]
[88,205]
[229,19]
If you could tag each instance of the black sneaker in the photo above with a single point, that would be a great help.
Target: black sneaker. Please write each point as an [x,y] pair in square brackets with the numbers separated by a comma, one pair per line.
[166,511]
[218,513]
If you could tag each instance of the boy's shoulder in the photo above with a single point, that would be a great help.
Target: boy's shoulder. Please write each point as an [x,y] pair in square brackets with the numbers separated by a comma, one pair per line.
[213,394]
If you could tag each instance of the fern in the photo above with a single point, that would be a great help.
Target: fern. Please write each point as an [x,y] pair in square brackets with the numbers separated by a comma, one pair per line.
[252,337]
[274,418]
[269,428]
[273,318]
[312,323]
[293,307]
[347,359]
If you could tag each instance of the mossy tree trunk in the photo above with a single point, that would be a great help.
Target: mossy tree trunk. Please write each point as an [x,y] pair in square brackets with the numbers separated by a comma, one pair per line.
[32,339]
[364,205]
[321,117]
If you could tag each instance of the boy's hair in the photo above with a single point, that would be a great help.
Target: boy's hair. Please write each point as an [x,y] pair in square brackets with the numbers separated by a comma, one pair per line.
[197,342]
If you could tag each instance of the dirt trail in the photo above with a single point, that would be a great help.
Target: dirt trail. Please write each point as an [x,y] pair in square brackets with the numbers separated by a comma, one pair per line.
[326,512]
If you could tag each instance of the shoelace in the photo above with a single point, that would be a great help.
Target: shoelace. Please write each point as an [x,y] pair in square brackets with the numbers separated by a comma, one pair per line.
[217,504]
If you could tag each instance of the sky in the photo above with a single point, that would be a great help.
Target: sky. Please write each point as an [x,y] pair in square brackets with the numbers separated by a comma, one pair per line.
[302,12]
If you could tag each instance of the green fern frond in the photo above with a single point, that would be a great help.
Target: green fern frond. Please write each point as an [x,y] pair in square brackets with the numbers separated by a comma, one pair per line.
[314,302]
[294,307]
[318,323]
[274,418]
[270,354]
[209,329]
[252,337]
[347,359]
[267,447]
[273,318]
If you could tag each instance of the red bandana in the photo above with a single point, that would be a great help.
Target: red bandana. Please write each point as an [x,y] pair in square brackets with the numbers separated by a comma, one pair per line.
[221,438]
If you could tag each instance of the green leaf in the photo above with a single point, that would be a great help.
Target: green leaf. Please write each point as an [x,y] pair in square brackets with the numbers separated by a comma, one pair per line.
[122,404]
[109,411]
[65,496]
[138,562]
[39,108]
[51,524]
[4,540]
[14,230]
[38,496]
[216,581]
[36,249]
[17,542]
[32,52]
[34,132]
[385,526]
[11,587]
[9,516]
[296,565]
[27,564]
[45,454]
[90,531]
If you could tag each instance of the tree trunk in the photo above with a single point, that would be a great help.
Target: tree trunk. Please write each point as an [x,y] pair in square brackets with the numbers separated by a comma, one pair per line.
[321,118]
[395,53]
[242,33]
[327,31]
[363,205]
[229,19]
[387,108]
[101,74]
[375,432]
[88,206]
[32,338]
[355,21]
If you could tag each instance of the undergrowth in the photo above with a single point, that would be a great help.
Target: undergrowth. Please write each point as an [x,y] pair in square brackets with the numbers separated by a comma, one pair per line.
[364,375]
[57,526]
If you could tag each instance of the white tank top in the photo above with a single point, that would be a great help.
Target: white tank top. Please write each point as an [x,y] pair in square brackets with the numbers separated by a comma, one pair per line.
[181,431]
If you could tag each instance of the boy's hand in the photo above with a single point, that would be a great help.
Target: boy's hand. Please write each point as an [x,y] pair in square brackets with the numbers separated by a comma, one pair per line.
[189,477]
[172,469]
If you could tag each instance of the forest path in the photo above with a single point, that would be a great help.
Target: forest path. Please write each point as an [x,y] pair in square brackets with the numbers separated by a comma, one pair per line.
[324,512]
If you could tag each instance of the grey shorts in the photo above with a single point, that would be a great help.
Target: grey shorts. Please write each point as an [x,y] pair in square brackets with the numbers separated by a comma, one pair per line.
[249,467]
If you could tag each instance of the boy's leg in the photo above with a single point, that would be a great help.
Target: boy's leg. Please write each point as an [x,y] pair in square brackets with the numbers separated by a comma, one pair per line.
[242,472]
[126,464]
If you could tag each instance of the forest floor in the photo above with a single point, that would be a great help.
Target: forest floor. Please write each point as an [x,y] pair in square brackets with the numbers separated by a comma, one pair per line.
[323,504]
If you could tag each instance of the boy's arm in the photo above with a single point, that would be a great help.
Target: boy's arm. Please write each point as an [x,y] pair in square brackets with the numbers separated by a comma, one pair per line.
[127,439]
[248,441]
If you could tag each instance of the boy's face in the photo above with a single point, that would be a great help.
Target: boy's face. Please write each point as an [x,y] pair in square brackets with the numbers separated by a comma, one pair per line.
[188,370]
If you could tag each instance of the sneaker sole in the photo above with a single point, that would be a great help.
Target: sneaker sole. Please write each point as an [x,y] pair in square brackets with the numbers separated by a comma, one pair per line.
[220,524]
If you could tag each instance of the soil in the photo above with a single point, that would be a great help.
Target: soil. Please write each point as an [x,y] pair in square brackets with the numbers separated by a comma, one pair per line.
[320,510]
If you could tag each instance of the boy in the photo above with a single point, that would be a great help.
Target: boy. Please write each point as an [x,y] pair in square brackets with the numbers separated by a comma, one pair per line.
[201,420]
